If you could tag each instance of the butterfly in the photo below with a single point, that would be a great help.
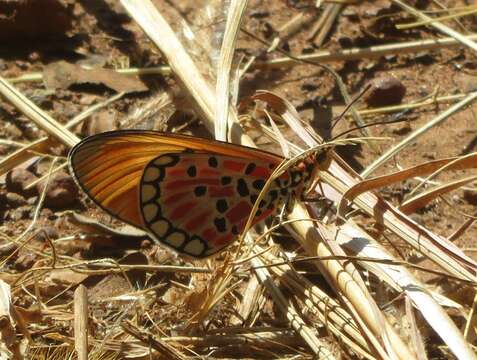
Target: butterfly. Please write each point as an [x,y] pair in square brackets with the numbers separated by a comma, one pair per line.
[191,194]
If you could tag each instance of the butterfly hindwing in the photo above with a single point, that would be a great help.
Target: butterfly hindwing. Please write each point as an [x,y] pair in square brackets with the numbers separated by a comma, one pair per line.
[198,203]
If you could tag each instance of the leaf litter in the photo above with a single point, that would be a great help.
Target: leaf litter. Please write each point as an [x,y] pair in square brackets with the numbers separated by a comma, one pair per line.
[349,275]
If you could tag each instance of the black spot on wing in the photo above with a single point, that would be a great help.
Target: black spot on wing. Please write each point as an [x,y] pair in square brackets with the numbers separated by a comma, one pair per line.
[242,187]
[225,180]
[221,205]
[192,171]
[250,168]
[258,184]
[213,162]
[200,190]
[220,224]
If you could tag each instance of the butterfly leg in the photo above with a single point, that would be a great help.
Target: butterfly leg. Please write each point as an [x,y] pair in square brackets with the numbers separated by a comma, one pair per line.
[287,206]
[282,213]
[280,216]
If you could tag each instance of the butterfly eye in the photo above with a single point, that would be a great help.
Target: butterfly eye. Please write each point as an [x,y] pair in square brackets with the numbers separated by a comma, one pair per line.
[321,158]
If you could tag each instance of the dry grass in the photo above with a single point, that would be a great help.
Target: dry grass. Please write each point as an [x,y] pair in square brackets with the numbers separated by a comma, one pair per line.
[212,309]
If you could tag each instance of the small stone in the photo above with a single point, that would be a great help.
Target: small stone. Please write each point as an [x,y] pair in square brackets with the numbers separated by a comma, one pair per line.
[47,232]
[101,122]
[424,57]
[402,129]
[466,83]
[390,58]
[345,41]
[20,213]
[470,197]
[8,249]
[25,261]
[12,131]
[33,200]
[429,155]
[386,90]
[15,200]
[18,179]
[61,192]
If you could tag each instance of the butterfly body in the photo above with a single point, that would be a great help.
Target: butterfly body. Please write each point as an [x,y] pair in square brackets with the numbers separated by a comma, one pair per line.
[191,194]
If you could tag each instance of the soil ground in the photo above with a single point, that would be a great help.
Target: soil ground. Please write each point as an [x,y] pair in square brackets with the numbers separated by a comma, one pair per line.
[100,33]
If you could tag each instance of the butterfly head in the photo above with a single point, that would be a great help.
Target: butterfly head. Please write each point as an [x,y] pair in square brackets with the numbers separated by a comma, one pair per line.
[309,168]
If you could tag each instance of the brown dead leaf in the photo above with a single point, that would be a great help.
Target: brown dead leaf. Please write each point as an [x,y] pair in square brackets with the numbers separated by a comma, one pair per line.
[61,75]
[9,347]
[466,162]
[421,200]
[117,284]
[32,315]
[102,235]
[102,121]
[66,276]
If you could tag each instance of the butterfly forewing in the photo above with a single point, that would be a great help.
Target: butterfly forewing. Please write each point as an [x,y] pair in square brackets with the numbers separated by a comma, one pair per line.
[192,194]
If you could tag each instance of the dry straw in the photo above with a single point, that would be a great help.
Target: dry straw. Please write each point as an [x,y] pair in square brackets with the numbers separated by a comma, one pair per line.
[355,319]
[359,301]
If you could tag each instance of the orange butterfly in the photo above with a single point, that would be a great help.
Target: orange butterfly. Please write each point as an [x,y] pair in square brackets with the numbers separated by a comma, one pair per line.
[191,194]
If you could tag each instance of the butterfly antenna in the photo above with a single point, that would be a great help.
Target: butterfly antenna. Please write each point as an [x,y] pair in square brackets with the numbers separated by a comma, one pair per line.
[396,119]
[348,107]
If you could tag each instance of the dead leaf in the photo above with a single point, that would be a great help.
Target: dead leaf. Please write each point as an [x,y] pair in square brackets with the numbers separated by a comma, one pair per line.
[9,347]
[125,237]
[61,75]
[66,276]
[117,284]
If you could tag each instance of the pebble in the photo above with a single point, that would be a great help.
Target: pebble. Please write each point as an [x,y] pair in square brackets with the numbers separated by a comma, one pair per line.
[20,213]
[15,200]
[48,214]
[8,249]
[466,83]
[47,232]
[61,192]
[470,197]
[101,122]
[12,131]
[18,179]
[25,261]
[33,200]
[385,90]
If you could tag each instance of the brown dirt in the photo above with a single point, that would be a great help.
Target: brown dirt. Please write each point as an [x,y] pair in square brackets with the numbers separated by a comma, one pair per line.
[102,33]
